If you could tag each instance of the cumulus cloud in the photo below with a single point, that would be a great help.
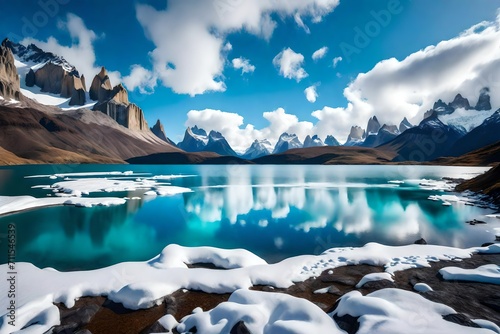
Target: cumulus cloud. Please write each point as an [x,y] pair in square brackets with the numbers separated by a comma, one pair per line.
[241,136]
[336,61]
[289,64]
[320,53]
[80,53]
[189,36]
[243,64]
[395,89]
[141,79]
[311,93]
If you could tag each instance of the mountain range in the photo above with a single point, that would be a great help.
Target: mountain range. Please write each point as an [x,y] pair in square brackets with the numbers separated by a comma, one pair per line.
[48,113]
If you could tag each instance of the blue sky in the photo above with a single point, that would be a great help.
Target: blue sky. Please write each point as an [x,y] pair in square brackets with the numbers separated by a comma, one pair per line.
[122,40]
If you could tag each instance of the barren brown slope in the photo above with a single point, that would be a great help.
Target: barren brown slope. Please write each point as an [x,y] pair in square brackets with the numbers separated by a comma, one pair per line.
[487,183]
[337,155]
[44,137]
[486,156]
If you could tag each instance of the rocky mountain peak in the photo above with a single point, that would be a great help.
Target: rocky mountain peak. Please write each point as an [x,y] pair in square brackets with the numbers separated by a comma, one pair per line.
[101,88]
[159,131]
[313,141]
[331,141]
[404,125]
[459,102]
[484,102]
[373,126]
[357,133]
[9,80]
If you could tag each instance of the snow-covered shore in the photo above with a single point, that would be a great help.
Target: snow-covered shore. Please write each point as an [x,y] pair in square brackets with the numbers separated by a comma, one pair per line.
[144,284]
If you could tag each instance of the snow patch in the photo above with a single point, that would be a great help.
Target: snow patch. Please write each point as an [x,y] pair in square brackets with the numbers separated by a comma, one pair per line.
[394,311]
[262,312]
[422,287]
[374,277]
[489,273]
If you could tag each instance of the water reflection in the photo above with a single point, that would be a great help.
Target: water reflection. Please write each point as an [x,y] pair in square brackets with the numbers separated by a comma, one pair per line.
[273,211]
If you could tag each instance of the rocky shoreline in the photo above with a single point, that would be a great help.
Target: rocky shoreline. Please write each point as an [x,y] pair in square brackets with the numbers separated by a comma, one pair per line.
[471,300]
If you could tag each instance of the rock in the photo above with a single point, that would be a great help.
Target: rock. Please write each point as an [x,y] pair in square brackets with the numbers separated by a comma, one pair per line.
[30,78]
[239,328]
[65,329]
[154,328]
[331,141]
[475,222]
[101,86]
[486,244]
[420,241]
[483,102]
[73,319]
[460,102]
[159,131]
[347,323]
[83,331]
[460,319]
[339,279]
[373,126]
[356,135]
[334,290]
[378,285]
[492,302]
[9,79]
[404,125]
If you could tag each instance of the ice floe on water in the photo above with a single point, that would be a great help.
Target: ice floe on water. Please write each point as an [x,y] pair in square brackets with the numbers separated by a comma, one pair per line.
[72,191]
[10,204]
[489,273]
[144,284]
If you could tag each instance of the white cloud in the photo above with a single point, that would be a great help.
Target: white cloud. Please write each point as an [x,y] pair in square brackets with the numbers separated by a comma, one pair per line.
[395,89]
[80,53]
[243,64]
[189,36]
[141,79]
[336,61]
[289,63]
[227,47]
[392,90]
[311,93]
[320,53]
[241,136]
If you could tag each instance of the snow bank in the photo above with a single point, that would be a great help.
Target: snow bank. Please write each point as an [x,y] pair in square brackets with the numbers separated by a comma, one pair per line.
[395,311]
[262,312]
[374,277]
[489,273]
[144,284]
[10,204]
[422,287]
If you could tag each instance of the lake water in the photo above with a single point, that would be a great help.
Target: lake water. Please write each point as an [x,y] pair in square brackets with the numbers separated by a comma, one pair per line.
[273,211]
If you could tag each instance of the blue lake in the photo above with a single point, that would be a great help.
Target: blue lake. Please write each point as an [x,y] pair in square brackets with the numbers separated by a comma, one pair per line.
[273,211]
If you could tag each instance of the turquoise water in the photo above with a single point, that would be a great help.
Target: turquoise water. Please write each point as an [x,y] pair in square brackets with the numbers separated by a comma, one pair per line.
[273,211]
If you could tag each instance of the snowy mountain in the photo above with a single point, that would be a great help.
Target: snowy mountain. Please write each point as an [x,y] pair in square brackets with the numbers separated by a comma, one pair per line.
[459,112]
[405,125]
[427,141]
[488,132]
[331,141]
[384,135]
[356,136]
[258,149]
[287,142]
[197,140]
[313,141]
[45,72]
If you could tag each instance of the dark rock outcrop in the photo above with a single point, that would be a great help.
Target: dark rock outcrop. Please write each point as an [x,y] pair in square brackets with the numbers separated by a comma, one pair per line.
[30,78]
[405,125]
[373,126]
[9,80]
[100,89]
[484,102]
[459,102]
[159,131]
